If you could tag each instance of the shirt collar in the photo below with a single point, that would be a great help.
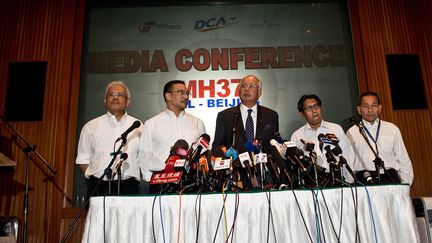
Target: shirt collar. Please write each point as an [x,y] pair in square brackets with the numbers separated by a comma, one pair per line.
[369,126]
[112,117]
[324,124]
[171,114]
[244,109]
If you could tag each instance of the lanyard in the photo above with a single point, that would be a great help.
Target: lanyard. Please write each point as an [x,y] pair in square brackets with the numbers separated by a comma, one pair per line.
[375,140]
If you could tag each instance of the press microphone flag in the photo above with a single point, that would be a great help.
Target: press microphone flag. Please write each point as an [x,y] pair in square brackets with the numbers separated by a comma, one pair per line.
[197,149]
[337,150]
[202,144]
[322,140]
[136,124]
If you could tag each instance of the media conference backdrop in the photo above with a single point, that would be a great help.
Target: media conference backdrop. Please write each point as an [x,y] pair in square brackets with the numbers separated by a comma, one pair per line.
[294,48]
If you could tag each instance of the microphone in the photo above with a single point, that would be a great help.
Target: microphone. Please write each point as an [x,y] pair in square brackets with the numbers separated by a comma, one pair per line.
[234,157]
[276,154]
[253,146]
[136,124]
[177,151]
[281,165]
[322,139]
[368,177]
[219,152]
[296,156]
[198,148]
[281,148]
[278,137]
[245,161]
[218,158]
[336,150]
[326,143]
[180,148]
[308,146]
[354,121]
[203,165]
[330,156]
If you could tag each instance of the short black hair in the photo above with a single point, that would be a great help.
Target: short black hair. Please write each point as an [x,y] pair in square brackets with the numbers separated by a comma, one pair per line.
[302,99]
[168,86]
[369,93]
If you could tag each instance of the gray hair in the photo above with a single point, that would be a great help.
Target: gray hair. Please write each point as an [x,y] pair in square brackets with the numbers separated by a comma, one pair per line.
[120,83]
[255,77]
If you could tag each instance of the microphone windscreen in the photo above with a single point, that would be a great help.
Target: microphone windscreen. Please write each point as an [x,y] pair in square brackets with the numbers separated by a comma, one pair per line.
[279,147]
[205,136]
[251,147]
[136,124]
[124,156]
[231,153]
[278,137]
[219,152]
[321,137]
[203,141]
[275,153]
[337,150]
[179,144]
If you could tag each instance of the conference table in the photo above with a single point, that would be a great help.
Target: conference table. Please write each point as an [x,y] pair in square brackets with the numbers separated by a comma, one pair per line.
[379,213]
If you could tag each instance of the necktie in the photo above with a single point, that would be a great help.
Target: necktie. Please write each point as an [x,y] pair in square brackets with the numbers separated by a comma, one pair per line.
[249,126]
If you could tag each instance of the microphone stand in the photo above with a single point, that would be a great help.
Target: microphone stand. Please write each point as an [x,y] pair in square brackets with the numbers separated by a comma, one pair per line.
[230,182]
[379,163]
[27,150]
[332,172]
[107,173]
[343,162]
[123,157]
[118,180]
[312,155]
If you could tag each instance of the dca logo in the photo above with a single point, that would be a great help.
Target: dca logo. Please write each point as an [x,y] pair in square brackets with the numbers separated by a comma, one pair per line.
[214,23]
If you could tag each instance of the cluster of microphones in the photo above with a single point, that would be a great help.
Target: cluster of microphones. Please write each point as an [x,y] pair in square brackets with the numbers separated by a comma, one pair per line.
[254,166]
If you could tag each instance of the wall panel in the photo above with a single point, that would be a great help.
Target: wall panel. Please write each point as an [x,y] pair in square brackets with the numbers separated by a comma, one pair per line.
[39,30]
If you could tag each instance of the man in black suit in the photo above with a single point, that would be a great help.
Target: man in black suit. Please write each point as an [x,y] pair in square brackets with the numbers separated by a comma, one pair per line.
[235,123]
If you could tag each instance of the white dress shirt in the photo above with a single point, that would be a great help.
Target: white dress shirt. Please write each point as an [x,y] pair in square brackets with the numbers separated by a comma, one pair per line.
[308,134]
[391,149]
[160,133]
[96,143]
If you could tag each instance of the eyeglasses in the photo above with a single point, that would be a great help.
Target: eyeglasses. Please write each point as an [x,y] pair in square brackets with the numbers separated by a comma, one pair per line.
[312,108]
[117,94]
[249,86]
[181,92]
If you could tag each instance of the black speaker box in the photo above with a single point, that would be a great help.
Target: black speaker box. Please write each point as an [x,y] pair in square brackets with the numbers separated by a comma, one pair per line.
[26,91]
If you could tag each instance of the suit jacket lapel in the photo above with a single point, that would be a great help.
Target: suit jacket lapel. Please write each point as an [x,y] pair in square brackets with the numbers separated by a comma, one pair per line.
[260,122]
[239,126]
